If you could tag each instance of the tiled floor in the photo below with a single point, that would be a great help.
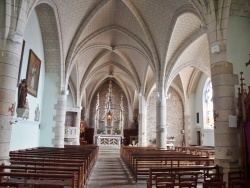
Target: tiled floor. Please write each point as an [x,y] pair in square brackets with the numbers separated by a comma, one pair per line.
[111,172]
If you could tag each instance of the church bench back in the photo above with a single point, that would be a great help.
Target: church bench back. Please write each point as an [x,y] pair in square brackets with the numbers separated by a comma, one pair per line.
[52,160]
[45,177]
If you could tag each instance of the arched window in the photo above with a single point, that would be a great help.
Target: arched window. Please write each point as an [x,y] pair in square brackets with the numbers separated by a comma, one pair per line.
[208,105]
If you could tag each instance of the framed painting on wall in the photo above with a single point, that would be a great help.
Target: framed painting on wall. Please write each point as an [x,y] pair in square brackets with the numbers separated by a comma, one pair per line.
[33,73]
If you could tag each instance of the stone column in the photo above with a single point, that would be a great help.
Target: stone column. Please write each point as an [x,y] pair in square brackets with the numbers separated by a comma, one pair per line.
[9,64]
[11,33]
[227,152]
[142,121]
[59,118]
[78,122]
[161,121]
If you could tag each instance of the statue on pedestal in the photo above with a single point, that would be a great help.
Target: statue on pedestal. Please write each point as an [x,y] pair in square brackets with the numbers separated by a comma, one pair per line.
[22,105]
[22,94]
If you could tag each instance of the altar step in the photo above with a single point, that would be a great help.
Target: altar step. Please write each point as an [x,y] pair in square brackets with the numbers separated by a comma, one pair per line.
[109,149]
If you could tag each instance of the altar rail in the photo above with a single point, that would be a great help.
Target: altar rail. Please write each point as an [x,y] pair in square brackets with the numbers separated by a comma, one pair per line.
[106,140]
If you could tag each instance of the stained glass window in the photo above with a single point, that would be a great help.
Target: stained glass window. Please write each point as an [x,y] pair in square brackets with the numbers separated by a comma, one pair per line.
[208,106]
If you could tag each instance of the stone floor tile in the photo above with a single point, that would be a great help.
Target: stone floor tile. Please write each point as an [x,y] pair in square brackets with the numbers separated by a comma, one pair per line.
[111,172]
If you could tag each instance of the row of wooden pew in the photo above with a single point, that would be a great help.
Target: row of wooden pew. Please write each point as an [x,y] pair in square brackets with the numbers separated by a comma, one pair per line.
[50,167]
[169,168]
[139,160]
[208,151]
[188,177]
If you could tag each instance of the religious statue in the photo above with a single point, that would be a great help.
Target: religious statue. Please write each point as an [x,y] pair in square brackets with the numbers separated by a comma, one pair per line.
[37,114]
[22,94]
[23,105]
[82,129]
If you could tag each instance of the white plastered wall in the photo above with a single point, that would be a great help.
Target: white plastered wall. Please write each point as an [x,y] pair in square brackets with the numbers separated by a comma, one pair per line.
[207,135]
[26,133]
[238,46]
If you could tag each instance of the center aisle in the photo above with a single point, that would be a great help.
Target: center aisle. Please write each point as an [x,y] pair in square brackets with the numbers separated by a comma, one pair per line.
[110,171]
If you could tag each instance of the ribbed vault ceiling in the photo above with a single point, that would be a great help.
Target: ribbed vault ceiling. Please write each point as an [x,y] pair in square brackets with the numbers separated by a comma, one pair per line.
[136,41]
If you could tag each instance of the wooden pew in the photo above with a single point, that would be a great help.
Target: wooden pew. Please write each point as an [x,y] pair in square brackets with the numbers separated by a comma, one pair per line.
[36,176]
[9,184]
[237,179]
[153,171]
[88,161]
[197,150]
[133,156]
[77,159]
[82,176]
[143,165]
[140,159]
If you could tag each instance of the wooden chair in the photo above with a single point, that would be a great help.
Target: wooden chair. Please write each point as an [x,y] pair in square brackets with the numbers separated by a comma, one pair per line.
[214,184]
[190,178]
[166,180]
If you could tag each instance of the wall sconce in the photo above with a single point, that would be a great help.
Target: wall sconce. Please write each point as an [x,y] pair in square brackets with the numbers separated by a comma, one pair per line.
[182,131]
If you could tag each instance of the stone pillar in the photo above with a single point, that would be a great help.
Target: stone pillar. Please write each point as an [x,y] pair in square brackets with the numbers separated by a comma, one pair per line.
[78,122]
[227,152]
[142,121]
[59,118]
[9,65]
[161,131]
[11,32]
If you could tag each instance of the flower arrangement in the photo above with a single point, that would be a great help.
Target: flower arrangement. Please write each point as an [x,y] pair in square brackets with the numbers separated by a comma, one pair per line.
[99,131]
[117,131]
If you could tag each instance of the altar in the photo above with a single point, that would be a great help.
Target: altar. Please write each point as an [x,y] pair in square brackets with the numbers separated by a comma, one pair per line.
[107,140]
[109,122]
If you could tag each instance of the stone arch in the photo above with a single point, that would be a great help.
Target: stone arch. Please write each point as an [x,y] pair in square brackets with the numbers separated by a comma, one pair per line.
[48,21]
[168,66]
[175,108]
